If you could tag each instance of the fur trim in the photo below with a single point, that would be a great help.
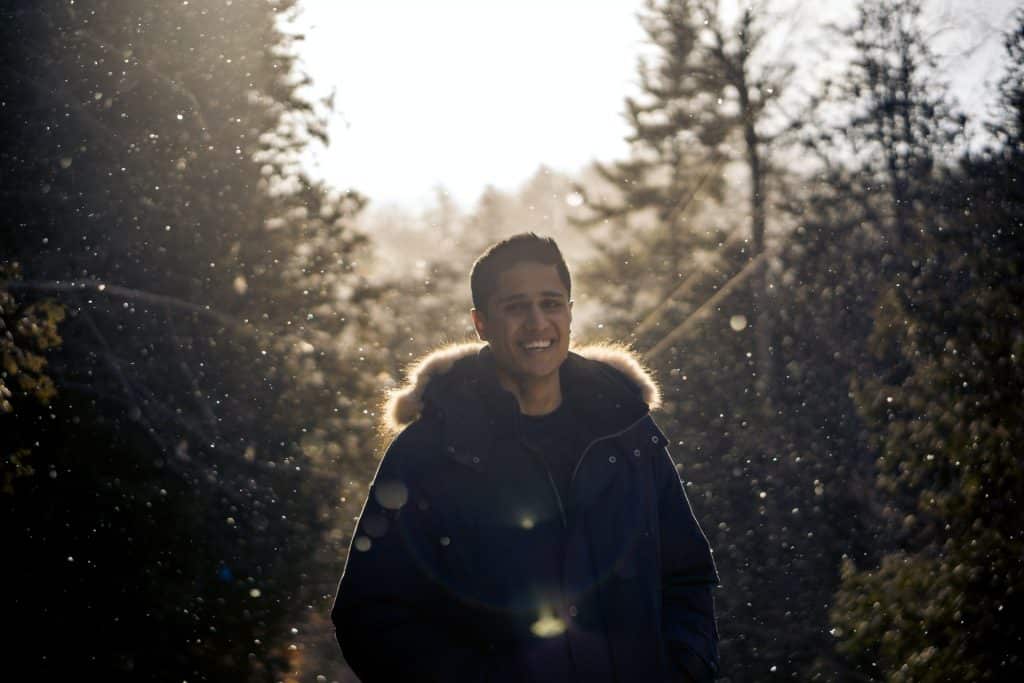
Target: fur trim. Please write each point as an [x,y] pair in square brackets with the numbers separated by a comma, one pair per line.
[628,362]
[404,405]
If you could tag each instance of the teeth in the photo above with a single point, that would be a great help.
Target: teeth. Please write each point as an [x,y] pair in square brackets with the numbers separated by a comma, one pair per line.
[537,345]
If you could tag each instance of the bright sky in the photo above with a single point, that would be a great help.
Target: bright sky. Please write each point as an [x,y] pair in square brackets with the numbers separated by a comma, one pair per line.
[466,93]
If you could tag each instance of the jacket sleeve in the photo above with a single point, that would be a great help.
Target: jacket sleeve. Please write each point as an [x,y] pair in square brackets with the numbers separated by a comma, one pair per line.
[688,577]
[393,619]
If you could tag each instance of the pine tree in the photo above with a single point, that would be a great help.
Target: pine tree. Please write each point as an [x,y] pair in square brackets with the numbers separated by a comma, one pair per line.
[944,602]
[154,191]
[946,417]
[677,135]
[705,102]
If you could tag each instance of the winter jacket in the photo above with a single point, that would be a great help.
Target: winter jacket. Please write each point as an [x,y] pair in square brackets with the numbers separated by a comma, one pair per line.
[436,586]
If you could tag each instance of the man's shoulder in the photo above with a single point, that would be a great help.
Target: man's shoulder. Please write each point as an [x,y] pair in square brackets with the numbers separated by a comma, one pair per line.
[428,379]
[615,367]
[416,453]
[416,439]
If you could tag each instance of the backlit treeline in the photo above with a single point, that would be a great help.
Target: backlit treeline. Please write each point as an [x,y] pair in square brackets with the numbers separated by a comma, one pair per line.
[857,484]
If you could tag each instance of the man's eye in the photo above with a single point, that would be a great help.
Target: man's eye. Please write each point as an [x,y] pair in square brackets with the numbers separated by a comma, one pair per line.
[553,304]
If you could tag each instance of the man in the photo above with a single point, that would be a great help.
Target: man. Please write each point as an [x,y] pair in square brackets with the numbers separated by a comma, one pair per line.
[527,524]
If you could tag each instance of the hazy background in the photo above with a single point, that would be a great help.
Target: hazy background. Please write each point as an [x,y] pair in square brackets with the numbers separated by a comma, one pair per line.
[224,242]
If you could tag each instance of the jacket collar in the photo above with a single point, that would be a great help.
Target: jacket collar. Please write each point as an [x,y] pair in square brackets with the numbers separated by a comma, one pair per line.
[607,386]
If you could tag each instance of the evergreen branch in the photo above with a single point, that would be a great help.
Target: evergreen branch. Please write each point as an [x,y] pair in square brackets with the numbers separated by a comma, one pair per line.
[677,209]
[156,74]
[90,120]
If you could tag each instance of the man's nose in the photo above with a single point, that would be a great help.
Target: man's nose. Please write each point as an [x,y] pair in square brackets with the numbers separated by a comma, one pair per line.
[535,319]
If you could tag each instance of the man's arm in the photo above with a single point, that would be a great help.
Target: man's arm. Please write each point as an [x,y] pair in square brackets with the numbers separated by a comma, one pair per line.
[393,619]
[688,577]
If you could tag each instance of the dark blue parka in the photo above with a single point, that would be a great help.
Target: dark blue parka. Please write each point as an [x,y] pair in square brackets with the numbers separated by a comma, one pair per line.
[437,586]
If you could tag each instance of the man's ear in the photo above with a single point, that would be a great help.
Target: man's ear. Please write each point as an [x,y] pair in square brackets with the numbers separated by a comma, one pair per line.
[479,323]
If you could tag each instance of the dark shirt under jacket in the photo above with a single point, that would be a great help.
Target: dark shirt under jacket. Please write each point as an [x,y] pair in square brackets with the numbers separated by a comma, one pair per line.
[553,439]
[556,438]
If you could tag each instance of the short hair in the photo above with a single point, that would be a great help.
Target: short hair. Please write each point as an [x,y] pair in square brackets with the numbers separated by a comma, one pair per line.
[526,247]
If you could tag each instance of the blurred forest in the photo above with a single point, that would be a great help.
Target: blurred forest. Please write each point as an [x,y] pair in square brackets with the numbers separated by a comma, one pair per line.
[195,337]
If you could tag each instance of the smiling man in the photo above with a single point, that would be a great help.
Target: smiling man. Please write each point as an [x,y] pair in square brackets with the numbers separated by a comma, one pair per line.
[527,523]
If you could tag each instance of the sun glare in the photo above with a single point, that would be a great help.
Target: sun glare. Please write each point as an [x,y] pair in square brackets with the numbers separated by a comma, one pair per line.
[466,93]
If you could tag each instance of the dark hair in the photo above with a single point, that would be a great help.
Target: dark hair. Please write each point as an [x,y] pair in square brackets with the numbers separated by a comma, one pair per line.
[525,247]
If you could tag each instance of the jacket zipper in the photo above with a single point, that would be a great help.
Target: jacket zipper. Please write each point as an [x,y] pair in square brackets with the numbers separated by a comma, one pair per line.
[558,498]
[584,455]
[551,480]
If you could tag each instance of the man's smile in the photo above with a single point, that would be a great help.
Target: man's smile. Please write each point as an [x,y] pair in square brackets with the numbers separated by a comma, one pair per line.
[537,345]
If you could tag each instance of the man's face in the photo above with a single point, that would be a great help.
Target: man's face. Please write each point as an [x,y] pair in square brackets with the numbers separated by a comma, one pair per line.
[526,321]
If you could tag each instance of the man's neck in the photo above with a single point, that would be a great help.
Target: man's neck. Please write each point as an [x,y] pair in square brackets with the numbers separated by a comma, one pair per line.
[536,396]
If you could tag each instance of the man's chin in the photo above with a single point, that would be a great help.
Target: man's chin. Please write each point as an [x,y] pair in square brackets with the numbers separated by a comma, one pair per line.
[540,367]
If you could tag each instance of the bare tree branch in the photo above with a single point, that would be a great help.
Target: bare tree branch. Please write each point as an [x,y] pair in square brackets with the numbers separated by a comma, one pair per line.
[97,287]
[684,327]
[114,363]
[691,281]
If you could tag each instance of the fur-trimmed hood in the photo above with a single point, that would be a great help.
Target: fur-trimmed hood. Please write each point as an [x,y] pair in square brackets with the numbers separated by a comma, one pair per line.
[404,405]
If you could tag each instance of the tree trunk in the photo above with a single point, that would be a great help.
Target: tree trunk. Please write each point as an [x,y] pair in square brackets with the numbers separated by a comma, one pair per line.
[759,284]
